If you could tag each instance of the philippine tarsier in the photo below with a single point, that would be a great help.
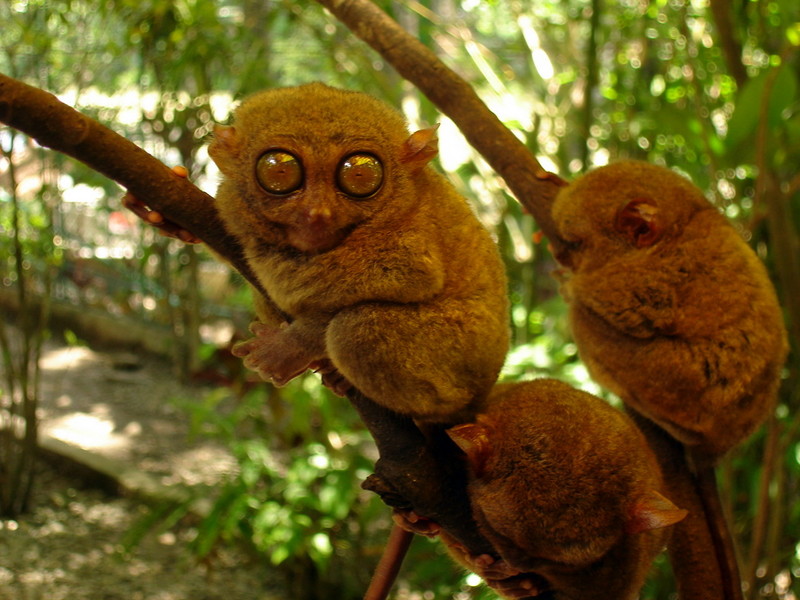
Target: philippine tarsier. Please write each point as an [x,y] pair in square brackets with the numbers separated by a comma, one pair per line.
[565,488]
[372,262]
[669,307]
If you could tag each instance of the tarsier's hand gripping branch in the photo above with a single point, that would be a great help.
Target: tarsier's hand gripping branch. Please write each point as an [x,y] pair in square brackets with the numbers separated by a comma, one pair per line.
[156,219]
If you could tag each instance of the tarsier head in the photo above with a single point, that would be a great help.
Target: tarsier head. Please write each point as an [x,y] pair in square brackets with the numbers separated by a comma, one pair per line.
[626,206]
[309,164]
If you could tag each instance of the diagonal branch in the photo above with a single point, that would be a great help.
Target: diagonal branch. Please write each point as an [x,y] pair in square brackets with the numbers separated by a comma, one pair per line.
[55,125]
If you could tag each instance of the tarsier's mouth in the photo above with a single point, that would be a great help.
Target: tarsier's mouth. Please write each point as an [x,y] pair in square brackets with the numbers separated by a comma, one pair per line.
[316,240]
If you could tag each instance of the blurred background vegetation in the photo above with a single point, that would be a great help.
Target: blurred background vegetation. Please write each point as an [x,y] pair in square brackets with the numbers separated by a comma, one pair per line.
[708,87]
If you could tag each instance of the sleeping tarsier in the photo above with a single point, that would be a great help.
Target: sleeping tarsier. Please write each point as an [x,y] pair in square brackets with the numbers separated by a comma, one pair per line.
[566,489]
[670,308]
[377,271]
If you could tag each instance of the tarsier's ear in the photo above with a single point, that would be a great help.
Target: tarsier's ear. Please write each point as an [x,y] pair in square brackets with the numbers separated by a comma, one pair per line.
[474,440]
[420,148]
[653,511]
[224,149]
[639,222]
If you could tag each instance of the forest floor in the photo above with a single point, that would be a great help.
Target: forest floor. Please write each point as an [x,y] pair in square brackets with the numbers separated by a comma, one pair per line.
[69,546]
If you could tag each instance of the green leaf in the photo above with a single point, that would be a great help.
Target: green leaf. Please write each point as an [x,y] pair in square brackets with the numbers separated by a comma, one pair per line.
[745,117]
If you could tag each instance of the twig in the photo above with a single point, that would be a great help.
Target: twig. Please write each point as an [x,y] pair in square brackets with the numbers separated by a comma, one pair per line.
[731,47]
[389,565]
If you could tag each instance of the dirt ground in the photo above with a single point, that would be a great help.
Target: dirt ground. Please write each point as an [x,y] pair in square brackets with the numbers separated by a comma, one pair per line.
[68,547]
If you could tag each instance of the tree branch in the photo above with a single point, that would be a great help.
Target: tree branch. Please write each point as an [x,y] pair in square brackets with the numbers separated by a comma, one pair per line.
[698,573]
[423,472]
[55,125]
[534,187]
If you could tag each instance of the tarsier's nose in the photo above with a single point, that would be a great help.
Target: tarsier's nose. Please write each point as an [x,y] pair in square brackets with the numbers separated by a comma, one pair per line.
[319,215]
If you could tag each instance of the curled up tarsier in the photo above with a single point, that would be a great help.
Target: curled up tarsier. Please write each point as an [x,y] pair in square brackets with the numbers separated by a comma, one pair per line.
[377,271]
[670,308]
[567,491]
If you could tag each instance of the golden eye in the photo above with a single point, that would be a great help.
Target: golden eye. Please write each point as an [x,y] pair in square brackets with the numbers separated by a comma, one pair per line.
[279,172]
[360,175]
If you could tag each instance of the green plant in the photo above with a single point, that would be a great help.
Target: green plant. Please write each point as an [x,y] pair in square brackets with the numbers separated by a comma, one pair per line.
[294,498]
[27,275]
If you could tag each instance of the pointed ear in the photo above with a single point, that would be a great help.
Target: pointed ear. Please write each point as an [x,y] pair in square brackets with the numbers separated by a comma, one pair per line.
[420,148]
[224,149]
[653,511]
[639,222]
[475,440]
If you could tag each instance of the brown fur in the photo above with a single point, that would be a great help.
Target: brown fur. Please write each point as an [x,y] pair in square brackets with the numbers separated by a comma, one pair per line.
[669,307]
[403,291]
[566,487]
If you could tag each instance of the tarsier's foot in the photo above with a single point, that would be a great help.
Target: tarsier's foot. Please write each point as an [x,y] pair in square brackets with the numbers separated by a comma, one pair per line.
[411,521]
[331,377]
[526,585]
[506,580]
[489,567]
[273,354]
[156,219]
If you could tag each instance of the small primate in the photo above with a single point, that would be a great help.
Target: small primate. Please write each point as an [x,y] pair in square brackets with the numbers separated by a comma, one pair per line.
[376,269]
[669,307]
[567,490]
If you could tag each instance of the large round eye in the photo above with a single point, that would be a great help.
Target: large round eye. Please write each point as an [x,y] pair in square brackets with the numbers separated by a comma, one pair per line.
[360,175]
[279,172]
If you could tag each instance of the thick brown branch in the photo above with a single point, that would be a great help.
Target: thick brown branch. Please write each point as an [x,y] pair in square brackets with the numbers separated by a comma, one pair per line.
[698,573]
[423,472]
[530,183]
[55,125]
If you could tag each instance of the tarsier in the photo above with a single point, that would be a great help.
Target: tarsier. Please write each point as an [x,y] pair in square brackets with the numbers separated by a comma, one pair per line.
[669,307]
[566,489]
[377,271]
